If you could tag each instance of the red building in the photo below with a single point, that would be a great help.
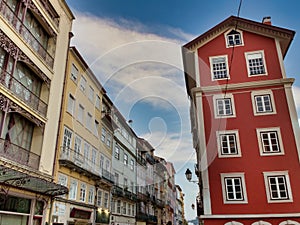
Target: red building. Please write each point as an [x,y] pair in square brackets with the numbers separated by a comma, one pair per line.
[244,123]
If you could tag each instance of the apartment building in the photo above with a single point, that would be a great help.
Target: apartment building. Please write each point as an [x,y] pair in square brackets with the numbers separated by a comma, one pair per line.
[34,40]
[84,149]
[244,122]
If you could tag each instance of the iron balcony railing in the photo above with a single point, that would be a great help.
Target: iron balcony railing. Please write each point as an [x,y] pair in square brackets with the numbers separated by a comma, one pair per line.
[26,34]
[23,93]
[83,162]
[19,155]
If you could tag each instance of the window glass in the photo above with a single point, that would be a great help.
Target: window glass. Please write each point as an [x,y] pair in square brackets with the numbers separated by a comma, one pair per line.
[219,68]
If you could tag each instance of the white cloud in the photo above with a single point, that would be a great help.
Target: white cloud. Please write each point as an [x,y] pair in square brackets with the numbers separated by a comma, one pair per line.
[126,59]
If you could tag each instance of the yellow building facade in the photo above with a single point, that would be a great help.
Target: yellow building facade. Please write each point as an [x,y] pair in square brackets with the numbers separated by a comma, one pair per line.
[34,41]
[84,149]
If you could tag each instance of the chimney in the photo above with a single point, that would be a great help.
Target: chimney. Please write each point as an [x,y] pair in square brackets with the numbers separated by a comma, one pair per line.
[267,20]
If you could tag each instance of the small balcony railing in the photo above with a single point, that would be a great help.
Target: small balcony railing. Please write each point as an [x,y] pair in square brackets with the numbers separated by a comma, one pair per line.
[19,155]
[108,176]
[23,93]
[26,34]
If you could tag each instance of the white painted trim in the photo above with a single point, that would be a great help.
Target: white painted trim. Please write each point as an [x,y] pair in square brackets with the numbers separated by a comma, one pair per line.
[248,216]
[288,186]
[237,139]
[263,92]
[245,85]
[260,144]
[211,67]
[223,96]
[197,72]
[289,222]
[264,61]
[293,116]
[280,58]
[233,223]
[261,223]
[225,37]
[202,157]
[231,175]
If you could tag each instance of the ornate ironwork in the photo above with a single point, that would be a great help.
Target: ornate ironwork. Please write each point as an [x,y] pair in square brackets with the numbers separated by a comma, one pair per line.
[51,11]
[25,33]
[17,54]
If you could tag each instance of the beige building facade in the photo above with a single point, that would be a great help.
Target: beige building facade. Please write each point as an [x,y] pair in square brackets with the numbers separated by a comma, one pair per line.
[34,40]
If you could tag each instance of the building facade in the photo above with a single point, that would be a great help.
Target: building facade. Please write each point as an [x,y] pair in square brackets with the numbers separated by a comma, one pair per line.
[244,123]
[84,149]
[34,41]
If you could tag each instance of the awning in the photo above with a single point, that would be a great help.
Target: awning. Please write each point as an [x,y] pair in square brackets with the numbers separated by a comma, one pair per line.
[13,178]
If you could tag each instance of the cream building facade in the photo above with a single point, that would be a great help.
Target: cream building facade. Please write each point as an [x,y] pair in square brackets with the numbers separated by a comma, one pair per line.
[84,159]
[34,40]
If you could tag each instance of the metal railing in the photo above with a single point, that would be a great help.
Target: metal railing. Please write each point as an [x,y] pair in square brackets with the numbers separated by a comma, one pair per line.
[18,154]
[26,34]
[83,162]
[23,93]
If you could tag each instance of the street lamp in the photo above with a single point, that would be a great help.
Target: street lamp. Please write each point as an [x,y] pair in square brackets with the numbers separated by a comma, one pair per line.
[188,175]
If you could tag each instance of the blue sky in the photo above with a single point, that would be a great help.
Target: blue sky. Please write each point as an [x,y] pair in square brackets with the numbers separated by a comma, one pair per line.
[133,47]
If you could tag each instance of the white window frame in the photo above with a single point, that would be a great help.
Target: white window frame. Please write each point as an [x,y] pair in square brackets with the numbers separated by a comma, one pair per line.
[261,144]
[233,223]
[82,196]
[71,104]
[247,54]
[80,114]
[125,157]
[74,72]
[254,94]
[261,222]
[103,134]
[220,97]
[89,120]
[106,200]
[73,189]
[117,152]
[82,85]
[235,45]
[91,94]
[241,176]
[91,196]
[221,154]
[211,59]
[132,164]
[62,179]
[289,222]
[99,198]
[288,186]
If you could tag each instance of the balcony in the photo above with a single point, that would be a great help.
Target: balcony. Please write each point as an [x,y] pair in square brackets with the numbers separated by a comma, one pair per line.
[159,203]
[117,191]
[19,155]
[146,217]
[25,33]
[108,176]
[23,93]
[142,197]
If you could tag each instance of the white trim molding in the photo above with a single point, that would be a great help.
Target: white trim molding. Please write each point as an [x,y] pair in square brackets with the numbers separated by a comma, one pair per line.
[254,103]
[221,154]
[247,216]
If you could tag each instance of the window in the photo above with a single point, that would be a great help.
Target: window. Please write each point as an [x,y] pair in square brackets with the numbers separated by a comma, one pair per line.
[107,165]
[131,164]
[125,183]
[132,209]
[67,140]
[101,162]
[278,186]
[234,188]
[103,134]
[91,94]
[117,179]
[80,115]
[224,106]
[108,140]
[113,206]
[89,120]
[82,84]
[228,143]
[119,206]
[73,190]
[71,104]
[129,209]
[233,38]
[99,198]
[94,156]
[255,63]
[124,208]
[219,67]
[77,146]
[82,192]
[125,159]
[86,153]
[62,180]
[96,127]
[263,102]
[105,200]
[269,141]
[117,152]
[91,195]
[74,73]
[98,101]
